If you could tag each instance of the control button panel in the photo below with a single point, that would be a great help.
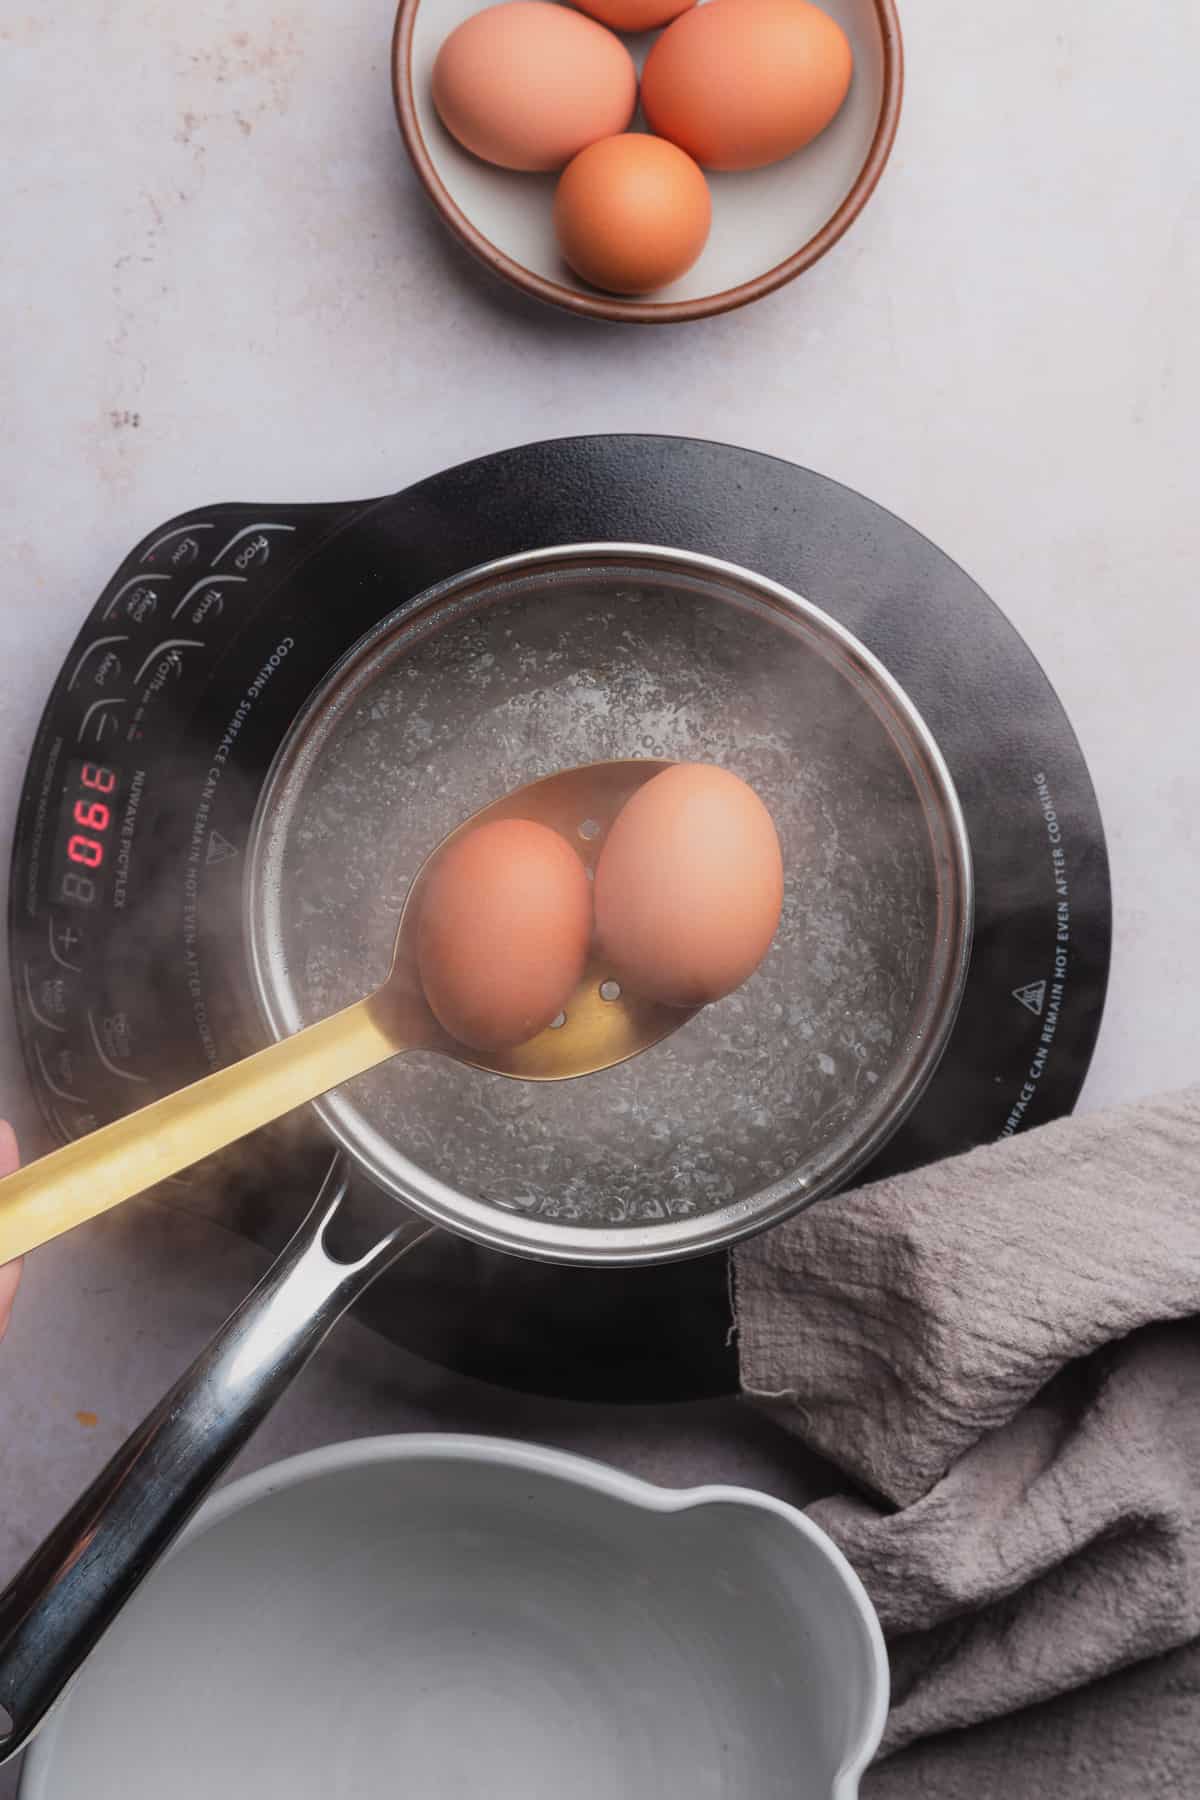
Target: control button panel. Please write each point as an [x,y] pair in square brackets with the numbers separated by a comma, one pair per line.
[250,548]
[101,719]
[68,941]
[49,992]
[98,664]
[180,547]
[73,1122]
[136,600]
[205,599]
[112,1038]
[165,613]
[127,691]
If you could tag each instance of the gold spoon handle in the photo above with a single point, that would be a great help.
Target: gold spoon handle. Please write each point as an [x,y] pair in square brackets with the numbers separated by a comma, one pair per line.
[84,1179]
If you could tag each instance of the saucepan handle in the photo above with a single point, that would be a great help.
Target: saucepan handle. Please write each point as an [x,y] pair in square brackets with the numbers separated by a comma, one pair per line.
[56,1609]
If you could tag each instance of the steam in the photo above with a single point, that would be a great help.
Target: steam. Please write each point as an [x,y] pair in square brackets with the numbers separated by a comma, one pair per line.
[753,1088]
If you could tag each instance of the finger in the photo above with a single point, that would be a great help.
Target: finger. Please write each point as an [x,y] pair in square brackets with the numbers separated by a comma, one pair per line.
[10,1156]
[10,1274]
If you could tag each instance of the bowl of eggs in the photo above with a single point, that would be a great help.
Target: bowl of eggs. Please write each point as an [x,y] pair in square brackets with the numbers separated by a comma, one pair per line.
[648,160]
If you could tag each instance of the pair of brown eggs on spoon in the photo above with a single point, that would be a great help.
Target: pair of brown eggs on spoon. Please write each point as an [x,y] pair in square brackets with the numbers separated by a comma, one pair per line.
[684,898]
[507,957]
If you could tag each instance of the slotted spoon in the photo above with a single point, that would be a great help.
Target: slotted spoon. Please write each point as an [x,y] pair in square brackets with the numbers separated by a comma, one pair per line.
[602,1026]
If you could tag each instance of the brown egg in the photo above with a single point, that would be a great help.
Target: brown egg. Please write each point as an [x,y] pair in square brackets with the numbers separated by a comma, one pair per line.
[503,932]
[689,886]
[632,213]
[742,83]
[634,15]
[527,84]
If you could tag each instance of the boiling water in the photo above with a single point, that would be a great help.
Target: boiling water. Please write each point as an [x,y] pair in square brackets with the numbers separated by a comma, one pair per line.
[752,1087]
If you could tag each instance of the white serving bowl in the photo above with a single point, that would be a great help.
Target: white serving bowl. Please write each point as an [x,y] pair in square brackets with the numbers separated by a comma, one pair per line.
[460,1618]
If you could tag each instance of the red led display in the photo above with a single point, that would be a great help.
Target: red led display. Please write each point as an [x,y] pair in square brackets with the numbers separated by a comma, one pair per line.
[86,832]
[93,815]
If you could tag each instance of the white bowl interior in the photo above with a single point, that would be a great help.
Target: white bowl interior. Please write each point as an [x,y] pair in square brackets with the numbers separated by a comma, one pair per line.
[759,218]
[441,1628]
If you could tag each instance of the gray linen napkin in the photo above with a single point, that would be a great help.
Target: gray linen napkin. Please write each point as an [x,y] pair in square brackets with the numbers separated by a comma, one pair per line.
[1000,1353]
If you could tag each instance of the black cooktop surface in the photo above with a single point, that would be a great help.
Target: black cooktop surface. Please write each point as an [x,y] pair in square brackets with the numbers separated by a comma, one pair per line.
[199,653]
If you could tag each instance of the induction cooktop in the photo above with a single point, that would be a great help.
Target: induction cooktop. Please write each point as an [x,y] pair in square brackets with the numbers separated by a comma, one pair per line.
[190,667]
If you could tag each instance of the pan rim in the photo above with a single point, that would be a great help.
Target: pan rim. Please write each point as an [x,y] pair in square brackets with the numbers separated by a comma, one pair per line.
[644,1243]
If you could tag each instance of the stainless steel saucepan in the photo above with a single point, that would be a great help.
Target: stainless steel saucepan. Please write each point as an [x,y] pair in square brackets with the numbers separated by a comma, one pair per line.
[757,1107]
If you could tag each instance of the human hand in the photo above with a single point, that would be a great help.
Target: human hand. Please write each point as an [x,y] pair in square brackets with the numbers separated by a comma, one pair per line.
[10,1274]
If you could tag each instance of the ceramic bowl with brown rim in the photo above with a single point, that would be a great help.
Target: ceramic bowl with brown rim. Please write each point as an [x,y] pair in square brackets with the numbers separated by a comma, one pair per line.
[769,225]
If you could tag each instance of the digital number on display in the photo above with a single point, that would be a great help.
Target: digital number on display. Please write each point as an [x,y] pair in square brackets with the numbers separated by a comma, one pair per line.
[89,808]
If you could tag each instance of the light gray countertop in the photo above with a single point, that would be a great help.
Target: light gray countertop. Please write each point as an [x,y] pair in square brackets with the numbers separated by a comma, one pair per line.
[220,281]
